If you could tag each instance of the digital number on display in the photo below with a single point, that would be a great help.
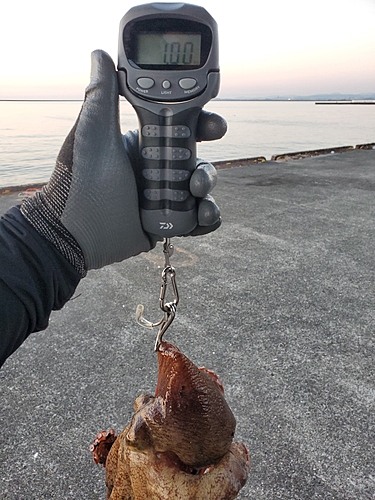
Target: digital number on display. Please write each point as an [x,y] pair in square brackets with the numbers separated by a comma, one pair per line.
[169,49]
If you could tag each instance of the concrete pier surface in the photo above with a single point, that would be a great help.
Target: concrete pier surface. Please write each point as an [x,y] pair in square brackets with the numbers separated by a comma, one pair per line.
[280,302]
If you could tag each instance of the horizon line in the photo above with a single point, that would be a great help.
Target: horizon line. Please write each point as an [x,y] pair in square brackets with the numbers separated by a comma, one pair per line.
[314,97]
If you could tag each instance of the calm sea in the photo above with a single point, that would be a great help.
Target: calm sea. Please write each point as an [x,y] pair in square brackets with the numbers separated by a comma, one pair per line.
[31,133]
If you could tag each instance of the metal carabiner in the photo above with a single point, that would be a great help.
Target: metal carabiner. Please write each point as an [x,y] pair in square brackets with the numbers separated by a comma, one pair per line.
[169,308]
[169,315]
[168,271]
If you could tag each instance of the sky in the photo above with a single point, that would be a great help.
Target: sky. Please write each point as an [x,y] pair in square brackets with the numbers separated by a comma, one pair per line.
[268,48]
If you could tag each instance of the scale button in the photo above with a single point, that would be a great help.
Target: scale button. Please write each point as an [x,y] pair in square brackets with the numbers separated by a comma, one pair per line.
[187,83]
[145,83]
[166,84]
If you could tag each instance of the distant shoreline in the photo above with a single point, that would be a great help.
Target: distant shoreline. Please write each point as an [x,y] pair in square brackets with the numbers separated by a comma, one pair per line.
[232,99]
[346,102]
[41,100]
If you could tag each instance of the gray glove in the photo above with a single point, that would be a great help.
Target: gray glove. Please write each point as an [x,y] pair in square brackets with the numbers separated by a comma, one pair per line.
[89,209]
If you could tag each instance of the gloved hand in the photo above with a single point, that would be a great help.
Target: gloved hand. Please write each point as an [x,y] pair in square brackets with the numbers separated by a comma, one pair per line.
[89,209]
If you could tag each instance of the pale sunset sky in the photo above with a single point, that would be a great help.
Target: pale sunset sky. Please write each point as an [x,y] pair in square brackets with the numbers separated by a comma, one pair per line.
[267,48]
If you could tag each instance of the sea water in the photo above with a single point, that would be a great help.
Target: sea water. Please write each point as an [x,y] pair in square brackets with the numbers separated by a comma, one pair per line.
[31,133]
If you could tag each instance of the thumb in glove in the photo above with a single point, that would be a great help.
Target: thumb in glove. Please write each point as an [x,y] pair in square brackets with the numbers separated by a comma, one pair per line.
[89,208]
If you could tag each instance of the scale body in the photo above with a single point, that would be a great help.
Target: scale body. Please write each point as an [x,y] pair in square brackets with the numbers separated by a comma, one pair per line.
[168,70]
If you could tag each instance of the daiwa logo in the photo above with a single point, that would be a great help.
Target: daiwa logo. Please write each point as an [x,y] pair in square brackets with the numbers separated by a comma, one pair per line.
[166,225]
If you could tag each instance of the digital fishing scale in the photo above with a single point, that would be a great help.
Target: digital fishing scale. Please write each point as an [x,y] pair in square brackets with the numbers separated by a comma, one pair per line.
[168,70]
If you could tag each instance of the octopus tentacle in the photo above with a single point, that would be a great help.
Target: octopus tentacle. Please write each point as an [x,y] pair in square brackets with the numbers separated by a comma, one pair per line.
[101,446]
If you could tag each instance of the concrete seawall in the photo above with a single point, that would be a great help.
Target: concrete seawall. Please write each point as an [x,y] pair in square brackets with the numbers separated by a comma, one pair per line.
[223,164]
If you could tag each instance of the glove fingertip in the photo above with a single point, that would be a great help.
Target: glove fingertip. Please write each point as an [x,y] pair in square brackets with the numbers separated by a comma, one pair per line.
[208,212]
[203,180]
[211,127]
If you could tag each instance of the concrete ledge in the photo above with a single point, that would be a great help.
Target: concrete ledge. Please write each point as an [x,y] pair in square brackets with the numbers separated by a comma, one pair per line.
[223,164]
[370,145]
[28,189]
[314,152]
[239,162]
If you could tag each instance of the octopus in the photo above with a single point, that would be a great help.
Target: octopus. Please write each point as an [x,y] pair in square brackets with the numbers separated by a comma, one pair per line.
[179,442]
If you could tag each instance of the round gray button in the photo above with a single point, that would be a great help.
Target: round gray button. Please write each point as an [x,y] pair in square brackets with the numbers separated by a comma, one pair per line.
[166,84]
[187,83]
[145,83]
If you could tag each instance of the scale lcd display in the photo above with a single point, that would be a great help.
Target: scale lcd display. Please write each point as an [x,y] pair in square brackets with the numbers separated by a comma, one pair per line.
[168,49]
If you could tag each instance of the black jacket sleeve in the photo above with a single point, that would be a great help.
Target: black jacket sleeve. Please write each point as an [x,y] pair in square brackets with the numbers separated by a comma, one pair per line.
[34,280]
